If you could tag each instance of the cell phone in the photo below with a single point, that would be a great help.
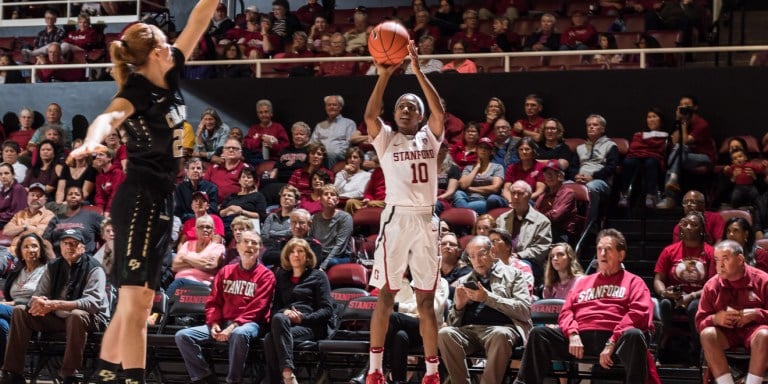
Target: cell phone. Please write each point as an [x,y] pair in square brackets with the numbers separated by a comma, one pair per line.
[471,285]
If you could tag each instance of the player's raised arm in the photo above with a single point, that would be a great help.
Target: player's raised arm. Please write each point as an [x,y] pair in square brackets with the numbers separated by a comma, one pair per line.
[198,23]
[436,112]
[117,111]
[375,102]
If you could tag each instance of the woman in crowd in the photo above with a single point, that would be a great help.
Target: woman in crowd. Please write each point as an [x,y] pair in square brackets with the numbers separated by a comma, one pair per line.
[13,195]
[114,143]
[562,271]
[9,76]
[466,152]
[448,174]
[553,147]
[739,230]
[211,135]
[480,183]
[606,41]
[247,202]
[474,40]
[679,276]
[22,280]
[234,70]
[494,110]
[302,309]
[104,255]
[460,65]
[76,172]
[239,225]
[502,250]
[426,47]
[528,169]
[302,178]
[483,225]
[277,225]
[83,38]
[647,151]
[290,159]
[44,169]
[546,38]
[312,202]
[197,261]
[351,180]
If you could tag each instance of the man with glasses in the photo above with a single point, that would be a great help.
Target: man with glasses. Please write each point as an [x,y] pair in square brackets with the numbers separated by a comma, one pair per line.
[226,176]
[50,34]
[713,222]
[491,313]
[452,267]
[504,144]
[71,297]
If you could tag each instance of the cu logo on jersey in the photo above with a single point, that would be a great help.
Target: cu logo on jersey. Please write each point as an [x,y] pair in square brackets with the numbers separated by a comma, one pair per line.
[107,375]
[134,264]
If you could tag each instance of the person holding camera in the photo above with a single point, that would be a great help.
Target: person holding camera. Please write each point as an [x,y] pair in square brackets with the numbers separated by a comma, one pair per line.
[698,148]
[491,312]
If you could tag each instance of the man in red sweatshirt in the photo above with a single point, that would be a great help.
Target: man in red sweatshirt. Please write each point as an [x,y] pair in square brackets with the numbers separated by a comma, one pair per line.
[733,312]
[606,314]
[241,298]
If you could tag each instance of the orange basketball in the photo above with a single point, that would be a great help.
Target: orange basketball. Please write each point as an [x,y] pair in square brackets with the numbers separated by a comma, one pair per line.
[388,43]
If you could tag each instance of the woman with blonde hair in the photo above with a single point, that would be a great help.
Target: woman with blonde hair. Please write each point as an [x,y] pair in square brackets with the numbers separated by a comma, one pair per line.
[150,108]
[563,269]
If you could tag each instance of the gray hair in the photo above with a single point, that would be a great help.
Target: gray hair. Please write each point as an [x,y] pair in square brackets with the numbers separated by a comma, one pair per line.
[483,241]
[730,245]
[600,119]
[301,212]
[522,184]
[301,125]
[338,97]
[264,102]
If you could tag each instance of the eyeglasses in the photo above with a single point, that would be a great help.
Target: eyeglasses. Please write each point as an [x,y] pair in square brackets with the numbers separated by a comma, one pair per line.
[209,227]
[233,148]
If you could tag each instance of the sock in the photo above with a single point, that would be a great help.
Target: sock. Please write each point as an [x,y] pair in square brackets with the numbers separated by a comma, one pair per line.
[107,372]
[754,379]
[134,376]
[725,379]
[431,362]
[377,355]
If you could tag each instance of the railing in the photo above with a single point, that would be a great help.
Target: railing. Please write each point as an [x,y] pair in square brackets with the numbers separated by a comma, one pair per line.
[66,16]
[507,56]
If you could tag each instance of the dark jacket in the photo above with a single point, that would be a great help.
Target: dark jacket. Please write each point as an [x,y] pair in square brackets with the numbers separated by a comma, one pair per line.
[311,296]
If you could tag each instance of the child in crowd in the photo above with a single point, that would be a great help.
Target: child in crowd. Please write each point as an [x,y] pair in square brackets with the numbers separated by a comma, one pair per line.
[743,174]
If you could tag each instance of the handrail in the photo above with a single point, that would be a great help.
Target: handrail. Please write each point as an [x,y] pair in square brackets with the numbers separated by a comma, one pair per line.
[68,16]
[506,55]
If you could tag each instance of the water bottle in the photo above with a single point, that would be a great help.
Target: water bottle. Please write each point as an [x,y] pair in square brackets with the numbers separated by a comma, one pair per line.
[265,178]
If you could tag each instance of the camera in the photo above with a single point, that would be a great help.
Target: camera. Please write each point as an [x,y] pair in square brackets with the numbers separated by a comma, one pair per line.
[687,111]
[470,284]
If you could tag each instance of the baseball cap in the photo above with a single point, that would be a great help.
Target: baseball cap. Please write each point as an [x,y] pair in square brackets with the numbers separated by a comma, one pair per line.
[252,8]
[202,194]
[221,7]
[553,165]
[485,141]
[73,233]
[37,186]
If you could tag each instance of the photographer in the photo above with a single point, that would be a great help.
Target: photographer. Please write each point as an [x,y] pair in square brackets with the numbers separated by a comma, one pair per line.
[698,148]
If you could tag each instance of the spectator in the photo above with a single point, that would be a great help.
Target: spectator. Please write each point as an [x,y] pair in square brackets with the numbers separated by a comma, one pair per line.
[200,207]
[83,38]
[739,230]
[298,49]
[32,219]
[59,74]
[334,132]
[480,183]
[698,146]
[232,52]
[465,153]
[357,36]
[491,312]
[53,119]
[352,179]
[320,26]
[74,216]
[530,229]
[248,202]
[114,143]
[681,271]
[333,228]
[724,189]
[426,47]
[553,147]
[50,34]
[10,76]
[598,158]
[528,169]
[652,60]
[239,225]
[11,150]
[284,23]
[606,41]
[459,65]
[211,134]
[301,226]
[277,226]
[474,40]
[562,272]
[546,38]
[558,204]
[502,251]
[22,280]
[45,169]
[76,304]
[338,68]
[197,260]
[713,222]
[25,132]
[580,35]
[267,138]
[647,151]
[54,134]
[303,309]
[110,177]
[606,325]
[744,173]
[447,17]
[454,127]
[232,316]
[483,225]
[193,182]
[731,316]
[504,39]
[235,133]
[314,201]
[532,124]
[494,110]
[452,267]
[294,156]
[421,27]
[226,176]
[105,254]
[307,12]
[220,23]
[510,9]
[374,194]
[13,196]
[505,146]
[448,174]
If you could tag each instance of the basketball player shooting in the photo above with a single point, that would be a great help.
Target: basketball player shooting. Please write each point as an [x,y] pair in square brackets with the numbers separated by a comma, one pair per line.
[409,231]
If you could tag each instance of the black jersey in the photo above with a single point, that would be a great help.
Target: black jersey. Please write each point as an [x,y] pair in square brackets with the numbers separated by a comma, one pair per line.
[154,131]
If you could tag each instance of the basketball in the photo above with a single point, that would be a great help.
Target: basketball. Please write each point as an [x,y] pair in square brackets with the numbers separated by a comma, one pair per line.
[388,43]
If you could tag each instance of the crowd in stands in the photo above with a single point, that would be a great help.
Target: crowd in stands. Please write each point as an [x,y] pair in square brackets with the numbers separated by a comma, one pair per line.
[315,31]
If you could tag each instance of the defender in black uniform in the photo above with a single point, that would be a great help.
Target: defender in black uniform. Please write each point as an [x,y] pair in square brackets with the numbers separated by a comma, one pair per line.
[150,109]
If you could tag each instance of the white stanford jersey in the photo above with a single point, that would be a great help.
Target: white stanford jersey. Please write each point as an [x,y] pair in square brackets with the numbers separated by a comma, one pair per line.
[409,164]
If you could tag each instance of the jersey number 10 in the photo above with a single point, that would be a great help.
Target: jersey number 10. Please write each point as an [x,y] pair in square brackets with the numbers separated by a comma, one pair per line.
[419,172]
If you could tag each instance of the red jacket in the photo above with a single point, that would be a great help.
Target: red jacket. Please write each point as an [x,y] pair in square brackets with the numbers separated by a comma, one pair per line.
[86,39]
[563,211]
[751,291]
[106,186]
[252,139]
[647,144]
[228,181]
[376,189]
[239,295]
[584,34]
